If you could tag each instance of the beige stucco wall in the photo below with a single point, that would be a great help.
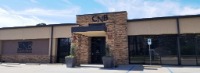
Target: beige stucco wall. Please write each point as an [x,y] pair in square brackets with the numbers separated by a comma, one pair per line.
[190,25]
[152,27]
[25,33]
[62,31]
[54,47]
[37,33]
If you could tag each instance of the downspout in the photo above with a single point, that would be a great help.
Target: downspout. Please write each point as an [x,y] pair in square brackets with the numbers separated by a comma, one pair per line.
[178,41]
[51,47]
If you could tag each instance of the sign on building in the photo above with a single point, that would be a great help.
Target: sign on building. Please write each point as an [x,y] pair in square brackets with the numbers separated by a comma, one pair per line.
[99,18]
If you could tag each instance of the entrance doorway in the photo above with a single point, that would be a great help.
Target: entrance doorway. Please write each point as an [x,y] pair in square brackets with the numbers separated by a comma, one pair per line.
[97,49]
[63,49]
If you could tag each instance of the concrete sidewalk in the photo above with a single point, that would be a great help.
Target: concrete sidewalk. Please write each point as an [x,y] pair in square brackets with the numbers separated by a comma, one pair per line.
[61,68]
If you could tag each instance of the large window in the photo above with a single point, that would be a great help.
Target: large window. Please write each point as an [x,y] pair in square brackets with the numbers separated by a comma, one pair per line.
[168,49]
[63,49]
[188,49]
[24,47]
[164,49]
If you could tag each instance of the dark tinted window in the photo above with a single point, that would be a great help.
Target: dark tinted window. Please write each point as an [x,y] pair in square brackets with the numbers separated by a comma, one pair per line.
[187,45]
[63,49]
[164,49]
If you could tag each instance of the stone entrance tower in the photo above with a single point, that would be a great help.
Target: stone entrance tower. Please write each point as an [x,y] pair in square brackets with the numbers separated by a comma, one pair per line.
[115,33]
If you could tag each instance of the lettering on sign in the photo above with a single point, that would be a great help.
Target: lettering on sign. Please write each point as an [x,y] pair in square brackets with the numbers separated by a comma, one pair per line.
[97,18]
[24,47]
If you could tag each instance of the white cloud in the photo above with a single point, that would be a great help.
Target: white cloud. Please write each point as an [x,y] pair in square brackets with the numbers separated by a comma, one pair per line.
[189,11]
[48,12]
[148,8]
[9,17]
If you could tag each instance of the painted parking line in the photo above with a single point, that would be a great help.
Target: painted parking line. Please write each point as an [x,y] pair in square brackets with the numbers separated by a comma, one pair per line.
[130,69]
[169,70]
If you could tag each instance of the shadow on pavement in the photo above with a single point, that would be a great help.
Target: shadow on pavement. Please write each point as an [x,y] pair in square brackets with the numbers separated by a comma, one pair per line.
[89,67]
[120,67]
[181,66]
[124,67]
[7,66]
[151,67]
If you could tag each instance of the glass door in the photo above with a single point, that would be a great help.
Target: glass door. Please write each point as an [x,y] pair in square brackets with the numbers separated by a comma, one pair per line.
[97,49]
[63,49]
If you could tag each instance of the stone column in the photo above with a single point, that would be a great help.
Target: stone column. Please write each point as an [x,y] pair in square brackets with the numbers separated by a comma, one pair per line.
[75,41]
[117,37]
[116,34]
[82,51]
[84,48]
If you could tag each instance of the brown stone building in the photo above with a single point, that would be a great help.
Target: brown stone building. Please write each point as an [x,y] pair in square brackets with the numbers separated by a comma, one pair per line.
[175,40]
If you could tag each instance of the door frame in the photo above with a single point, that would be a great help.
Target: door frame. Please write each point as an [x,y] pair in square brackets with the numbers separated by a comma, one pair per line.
[102,51]
[59,48]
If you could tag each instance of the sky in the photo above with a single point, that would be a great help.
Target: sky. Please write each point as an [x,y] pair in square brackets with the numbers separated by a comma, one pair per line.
[31,12]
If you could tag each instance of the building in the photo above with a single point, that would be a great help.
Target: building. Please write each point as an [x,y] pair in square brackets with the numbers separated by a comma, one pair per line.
[175,40]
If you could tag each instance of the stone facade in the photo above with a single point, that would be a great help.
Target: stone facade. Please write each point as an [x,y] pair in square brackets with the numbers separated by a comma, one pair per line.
[25,58]
[82,48]
[116,36]
[53,59]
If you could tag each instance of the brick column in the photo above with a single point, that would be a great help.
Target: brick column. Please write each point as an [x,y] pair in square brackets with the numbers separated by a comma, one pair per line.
[82,48]
[116,35]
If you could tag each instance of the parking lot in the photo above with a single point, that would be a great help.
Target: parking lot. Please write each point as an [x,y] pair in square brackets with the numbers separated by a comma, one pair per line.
[61,68]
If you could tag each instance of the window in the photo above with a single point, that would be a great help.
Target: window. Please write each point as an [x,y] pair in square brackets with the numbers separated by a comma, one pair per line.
[164,49]
[188,49]
[165,46]
[24,47]
[63,49]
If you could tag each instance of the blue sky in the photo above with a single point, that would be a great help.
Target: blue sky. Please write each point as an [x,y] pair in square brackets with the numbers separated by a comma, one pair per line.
[31,12]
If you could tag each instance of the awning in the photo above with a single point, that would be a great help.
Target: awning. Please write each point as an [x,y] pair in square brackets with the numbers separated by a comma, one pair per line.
[91,30]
